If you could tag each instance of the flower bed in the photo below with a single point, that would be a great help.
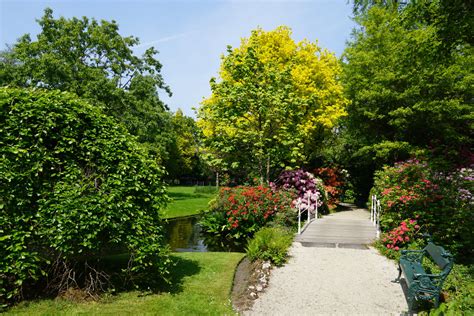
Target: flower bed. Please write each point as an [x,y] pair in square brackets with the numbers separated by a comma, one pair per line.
[442,201]
[238,213]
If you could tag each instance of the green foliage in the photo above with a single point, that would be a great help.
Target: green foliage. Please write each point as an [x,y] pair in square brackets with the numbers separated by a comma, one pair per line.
[270,243]
[459,286]
[74,186]
[94,61]
[185,159]
[442,202]
[238,213]
[272,98]
[207,189]
[408,73]
[286,218]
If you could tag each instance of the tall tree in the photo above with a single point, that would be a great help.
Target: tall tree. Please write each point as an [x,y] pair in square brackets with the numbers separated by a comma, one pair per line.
[273,96]
[92,60]
[408,73]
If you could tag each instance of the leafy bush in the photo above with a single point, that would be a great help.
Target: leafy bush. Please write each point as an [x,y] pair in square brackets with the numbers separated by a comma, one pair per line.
[74,187]
[443,202]
[307,186]
[270,243]
[238,213]
[459,287]
[286,218]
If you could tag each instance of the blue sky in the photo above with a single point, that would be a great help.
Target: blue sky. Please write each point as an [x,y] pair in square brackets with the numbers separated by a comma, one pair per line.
[190,35]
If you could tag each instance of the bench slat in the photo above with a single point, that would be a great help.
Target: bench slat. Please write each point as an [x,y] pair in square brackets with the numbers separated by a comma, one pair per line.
[436,253]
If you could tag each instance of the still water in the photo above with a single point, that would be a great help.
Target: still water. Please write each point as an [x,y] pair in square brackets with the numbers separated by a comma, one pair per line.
[184,234]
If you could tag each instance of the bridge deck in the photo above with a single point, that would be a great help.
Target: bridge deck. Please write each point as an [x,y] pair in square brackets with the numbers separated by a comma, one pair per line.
[351,226]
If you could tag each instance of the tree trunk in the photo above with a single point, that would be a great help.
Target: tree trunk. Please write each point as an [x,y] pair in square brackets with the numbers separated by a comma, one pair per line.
[217,180]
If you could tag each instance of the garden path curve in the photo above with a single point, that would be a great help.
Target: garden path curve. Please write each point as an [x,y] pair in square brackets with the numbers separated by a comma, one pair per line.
[333,281]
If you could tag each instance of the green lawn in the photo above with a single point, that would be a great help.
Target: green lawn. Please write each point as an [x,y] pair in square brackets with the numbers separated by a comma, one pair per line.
[202,284]
[186,202]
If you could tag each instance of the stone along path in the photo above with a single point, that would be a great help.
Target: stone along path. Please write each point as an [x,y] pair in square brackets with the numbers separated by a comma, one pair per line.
[332,272]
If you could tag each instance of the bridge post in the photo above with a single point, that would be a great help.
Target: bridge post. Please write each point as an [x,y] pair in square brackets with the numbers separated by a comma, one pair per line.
[377,225]
[299,219]
[316,213]
[372,209]
[309,201]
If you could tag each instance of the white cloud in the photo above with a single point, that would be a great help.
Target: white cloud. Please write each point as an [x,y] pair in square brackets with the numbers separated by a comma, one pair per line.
[165,39]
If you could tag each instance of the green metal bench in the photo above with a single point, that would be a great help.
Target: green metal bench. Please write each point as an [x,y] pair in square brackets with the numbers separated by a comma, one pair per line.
[422,285]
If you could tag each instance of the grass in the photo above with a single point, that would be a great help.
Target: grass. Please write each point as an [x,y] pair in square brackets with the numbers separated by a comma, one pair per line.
[185,202]
[202,283]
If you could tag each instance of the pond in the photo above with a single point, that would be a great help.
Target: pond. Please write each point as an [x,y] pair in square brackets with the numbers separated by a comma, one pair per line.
[184,234]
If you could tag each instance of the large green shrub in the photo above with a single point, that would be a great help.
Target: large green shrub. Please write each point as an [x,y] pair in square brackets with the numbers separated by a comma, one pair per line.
[74,187]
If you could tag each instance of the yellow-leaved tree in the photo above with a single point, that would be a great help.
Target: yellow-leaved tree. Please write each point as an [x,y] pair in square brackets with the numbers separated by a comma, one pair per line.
[272,97]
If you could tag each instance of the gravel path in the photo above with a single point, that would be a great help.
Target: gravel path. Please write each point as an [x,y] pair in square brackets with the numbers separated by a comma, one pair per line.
[332,281]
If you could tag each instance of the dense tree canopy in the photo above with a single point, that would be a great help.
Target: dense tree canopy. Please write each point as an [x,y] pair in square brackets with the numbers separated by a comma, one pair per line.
[92,60]
[185,155]
[410,85]
[273,96]
[75,186]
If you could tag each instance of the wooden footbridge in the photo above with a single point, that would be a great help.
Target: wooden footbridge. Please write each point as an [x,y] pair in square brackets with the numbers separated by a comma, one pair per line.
[350,228]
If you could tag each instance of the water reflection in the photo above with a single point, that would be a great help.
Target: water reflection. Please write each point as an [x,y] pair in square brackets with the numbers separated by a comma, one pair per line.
[184,234]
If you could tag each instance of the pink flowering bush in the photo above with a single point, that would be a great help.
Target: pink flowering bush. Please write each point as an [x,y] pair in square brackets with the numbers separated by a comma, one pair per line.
[309,189]
[401,237]
[442,200]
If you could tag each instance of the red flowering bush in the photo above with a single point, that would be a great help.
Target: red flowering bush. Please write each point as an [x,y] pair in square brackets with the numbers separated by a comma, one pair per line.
[240,212]
[333,180]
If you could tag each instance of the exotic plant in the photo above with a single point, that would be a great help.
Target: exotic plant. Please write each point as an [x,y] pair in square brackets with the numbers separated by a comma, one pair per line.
[75,187]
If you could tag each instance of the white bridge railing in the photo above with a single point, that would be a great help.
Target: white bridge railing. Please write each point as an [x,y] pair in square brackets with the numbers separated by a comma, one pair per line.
[375,210]
[306,208]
